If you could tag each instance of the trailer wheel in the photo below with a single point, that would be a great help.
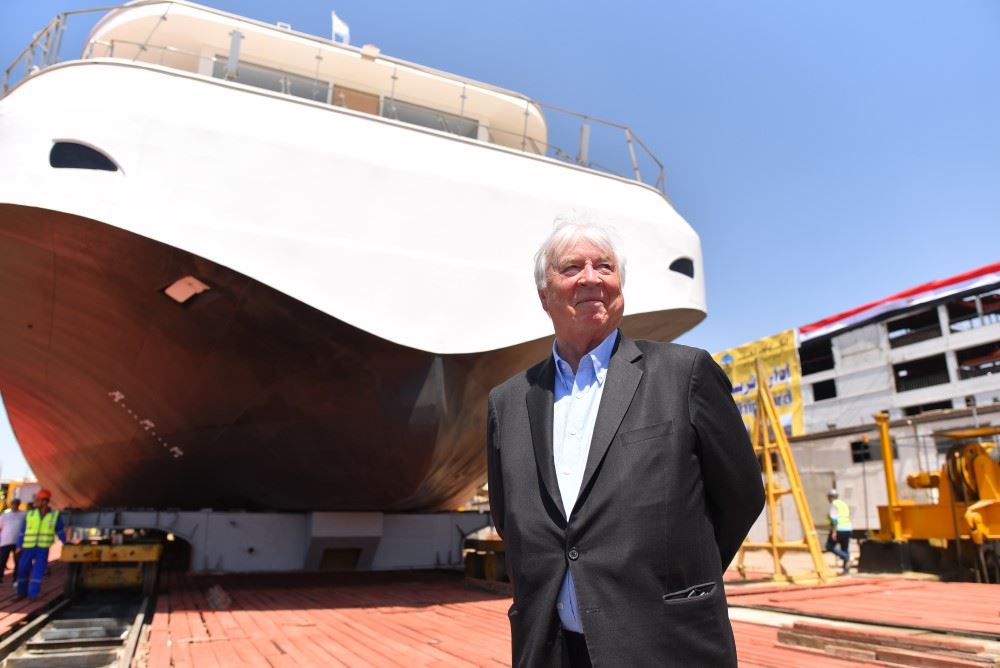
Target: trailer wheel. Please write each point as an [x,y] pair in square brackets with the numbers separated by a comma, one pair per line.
[991,564]
[149,578]
[72,586]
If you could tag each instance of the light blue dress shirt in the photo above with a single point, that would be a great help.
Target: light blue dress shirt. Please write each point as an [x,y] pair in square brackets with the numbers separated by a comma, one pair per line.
[574,414]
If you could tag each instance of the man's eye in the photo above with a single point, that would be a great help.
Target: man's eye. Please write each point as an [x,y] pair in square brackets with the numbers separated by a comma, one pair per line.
[571,270]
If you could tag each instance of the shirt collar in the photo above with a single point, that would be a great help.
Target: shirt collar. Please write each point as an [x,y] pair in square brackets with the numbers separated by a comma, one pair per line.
[600,357]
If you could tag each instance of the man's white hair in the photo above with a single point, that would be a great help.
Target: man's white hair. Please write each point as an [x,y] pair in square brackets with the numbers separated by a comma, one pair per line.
[569,229]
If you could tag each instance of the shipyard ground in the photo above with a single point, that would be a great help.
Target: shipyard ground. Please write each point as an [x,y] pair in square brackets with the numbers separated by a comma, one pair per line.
[434,618]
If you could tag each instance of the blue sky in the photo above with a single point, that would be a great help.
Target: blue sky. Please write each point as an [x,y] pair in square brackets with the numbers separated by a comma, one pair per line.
[828,154]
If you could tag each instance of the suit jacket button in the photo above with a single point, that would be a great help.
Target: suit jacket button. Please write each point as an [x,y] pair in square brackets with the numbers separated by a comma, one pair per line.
[573,554]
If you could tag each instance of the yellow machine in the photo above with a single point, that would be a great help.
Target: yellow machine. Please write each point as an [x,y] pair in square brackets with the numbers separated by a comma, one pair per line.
[19,489]
[958,533]
[115,561]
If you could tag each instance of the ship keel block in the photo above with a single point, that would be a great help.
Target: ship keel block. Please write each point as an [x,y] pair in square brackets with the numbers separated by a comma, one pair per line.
[239,542]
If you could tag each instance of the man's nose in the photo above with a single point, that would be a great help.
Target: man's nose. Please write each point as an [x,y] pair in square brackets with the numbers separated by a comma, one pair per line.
[588,275]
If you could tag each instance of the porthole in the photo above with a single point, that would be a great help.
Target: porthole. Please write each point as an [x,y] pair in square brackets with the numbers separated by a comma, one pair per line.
[71,155]
[683,265]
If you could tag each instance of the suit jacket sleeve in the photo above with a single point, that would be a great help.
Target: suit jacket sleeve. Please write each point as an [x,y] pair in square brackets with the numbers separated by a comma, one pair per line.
[494,472]
[730,470]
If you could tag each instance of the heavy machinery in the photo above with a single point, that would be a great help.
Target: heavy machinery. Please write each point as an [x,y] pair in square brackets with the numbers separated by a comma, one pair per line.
[957,536]
[111,559]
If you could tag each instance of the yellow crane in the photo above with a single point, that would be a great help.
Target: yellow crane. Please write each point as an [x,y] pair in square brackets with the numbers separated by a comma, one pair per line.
[961,531]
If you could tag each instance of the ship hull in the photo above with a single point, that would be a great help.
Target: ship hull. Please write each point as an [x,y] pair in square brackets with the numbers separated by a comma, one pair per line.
[240,397]
[368,283]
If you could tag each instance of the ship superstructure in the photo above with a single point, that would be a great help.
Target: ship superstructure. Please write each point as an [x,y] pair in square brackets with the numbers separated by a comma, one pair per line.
[245,267]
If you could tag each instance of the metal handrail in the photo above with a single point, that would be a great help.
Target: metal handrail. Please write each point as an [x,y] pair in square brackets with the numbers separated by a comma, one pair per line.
[49,42]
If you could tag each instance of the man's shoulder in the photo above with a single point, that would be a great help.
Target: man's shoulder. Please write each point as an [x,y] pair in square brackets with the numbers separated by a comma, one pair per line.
[670,353]
[520,382]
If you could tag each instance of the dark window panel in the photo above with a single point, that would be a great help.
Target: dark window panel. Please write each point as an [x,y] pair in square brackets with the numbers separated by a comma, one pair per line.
[870,450]
[910,411]
[430,118]
[816,356]
[920,373]
[981,360]
[914,328]
[825,389]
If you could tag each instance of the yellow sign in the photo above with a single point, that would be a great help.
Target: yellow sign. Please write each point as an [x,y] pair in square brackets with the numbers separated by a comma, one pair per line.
[780,360]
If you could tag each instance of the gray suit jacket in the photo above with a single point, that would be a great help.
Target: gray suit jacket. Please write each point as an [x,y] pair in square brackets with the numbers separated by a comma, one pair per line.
[670,489]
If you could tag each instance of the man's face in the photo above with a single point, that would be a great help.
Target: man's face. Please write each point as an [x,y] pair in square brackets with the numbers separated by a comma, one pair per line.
[583,295]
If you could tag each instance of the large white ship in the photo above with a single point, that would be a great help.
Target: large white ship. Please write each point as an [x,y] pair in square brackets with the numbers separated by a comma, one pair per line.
[245,267]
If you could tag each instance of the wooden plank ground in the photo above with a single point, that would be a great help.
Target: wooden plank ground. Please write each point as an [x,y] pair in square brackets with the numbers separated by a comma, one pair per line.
[12,612]
[365,619]
[944,606]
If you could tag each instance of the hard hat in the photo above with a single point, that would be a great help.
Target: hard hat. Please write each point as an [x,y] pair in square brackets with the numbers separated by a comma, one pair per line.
[43,494]
[832,492]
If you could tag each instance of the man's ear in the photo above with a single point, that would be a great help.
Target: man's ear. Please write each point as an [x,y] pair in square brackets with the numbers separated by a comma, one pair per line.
[541,298]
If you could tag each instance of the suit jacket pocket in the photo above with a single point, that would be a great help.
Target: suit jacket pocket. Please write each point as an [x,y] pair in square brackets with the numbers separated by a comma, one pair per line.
[697,593]
[658,430]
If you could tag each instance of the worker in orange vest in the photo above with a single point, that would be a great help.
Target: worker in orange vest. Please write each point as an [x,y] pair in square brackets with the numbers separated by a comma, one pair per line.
[41,526]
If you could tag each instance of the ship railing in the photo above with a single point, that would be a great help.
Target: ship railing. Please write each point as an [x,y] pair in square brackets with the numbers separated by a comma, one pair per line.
[568,136]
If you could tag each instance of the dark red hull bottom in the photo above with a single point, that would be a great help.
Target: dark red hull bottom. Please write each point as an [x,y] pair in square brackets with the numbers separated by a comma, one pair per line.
[242,397]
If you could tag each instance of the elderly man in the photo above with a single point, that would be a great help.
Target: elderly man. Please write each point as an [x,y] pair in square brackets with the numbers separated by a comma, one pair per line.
[621,478]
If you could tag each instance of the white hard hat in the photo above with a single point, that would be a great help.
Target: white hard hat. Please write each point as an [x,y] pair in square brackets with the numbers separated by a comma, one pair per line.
[833,492]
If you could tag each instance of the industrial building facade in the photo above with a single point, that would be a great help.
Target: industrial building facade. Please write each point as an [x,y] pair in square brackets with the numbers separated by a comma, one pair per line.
[929,356]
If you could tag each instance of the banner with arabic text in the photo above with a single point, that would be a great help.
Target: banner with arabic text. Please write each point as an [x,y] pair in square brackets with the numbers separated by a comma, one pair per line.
[780,361]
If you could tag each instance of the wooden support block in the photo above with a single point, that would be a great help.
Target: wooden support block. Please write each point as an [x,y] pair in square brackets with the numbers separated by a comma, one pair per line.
[905,657]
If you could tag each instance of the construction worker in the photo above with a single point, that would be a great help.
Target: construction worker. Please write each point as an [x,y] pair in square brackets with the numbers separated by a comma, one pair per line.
[11,523]
[839,540]
[41,525]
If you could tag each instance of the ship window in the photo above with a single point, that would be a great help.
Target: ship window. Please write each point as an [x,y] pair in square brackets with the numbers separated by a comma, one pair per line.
[683,265]
[825,389]
[816,356]
[276,80]
[919,409]
[430,118]
[920,373]
[914,328]
[356,100]
[70,155]
[979,361]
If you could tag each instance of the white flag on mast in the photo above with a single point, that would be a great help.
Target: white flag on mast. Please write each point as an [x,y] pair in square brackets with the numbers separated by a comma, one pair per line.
[340,29]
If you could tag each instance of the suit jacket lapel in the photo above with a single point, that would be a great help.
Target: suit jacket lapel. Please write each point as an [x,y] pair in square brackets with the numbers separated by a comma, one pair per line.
[540,398]
[619,387]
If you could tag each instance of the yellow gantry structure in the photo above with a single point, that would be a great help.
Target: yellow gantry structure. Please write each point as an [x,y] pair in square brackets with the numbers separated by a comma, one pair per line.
[771,445]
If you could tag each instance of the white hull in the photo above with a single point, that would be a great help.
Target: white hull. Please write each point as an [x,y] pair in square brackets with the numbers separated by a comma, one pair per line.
[418,237]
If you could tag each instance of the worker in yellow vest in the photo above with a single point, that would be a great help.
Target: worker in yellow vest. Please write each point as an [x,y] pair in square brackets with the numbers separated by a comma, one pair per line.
[41,526]
[839,540]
